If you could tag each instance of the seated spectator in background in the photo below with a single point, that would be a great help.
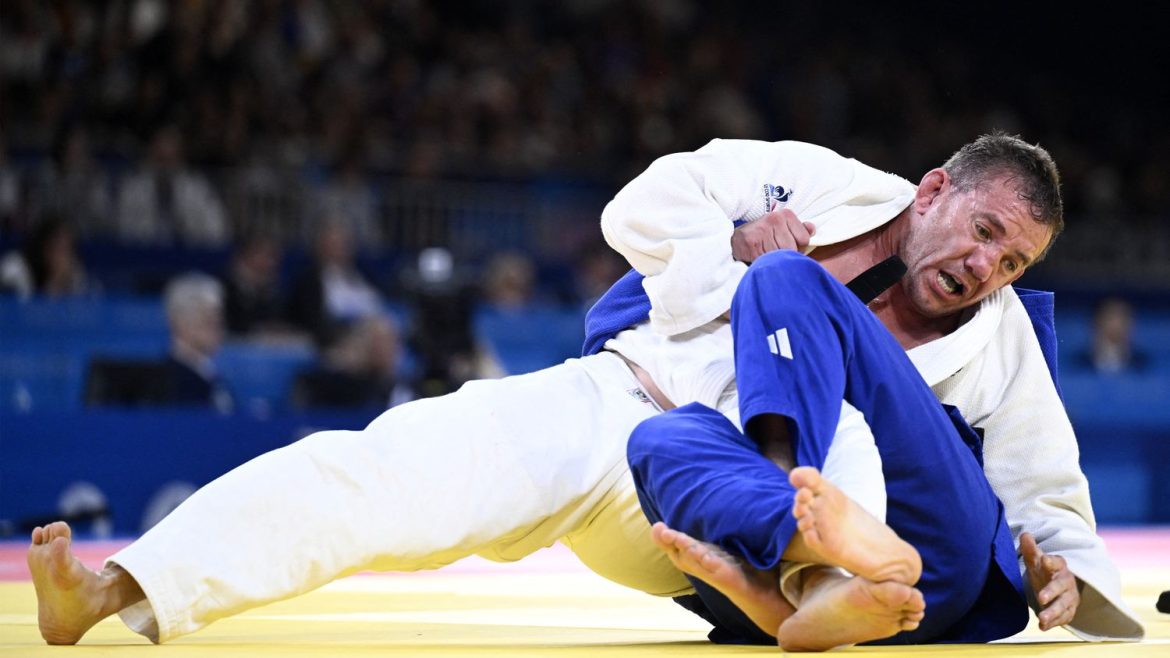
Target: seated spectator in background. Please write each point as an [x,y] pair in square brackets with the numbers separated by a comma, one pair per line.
[1112,350]
[194,308]
[253,301]
[332,293]
[187,376]
[441,299]
[10,186]
[166,202]
[597,269]
[47,265]
[348,197]
[73,184]
[509,280]
[358,372]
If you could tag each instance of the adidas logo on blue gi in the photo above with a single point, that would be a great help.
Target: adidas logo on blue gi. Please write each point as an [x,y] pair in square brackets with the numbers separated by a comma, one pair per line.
[779,345]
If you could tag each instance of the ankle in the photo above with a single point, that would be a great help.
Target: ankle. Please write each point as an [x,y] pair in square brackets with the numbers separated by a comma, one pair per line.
[117,590]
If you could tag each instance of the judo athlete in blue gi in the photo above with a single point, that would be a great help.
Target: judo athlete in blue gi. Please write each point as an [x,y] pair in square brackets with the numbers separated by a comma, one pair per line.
[803,344]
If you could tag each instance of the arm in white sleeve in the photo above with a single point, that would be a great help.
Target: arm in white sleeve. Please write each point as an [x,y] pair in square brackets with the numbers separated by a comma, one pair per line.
[674,222]
[1032,462]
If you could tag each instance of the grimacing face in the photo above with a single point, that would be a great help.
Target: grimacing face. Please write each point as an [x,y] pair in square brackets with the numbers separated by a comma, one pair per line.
[963,246]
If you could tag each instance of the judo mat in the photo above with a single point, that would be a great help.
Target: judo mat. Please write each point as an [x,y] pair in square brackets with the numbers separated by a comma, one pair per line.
[545,605]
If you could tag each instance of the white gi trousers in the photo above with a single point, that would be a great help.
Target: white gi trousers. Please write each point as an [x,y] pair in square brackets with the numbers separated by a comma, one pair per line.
[500,468]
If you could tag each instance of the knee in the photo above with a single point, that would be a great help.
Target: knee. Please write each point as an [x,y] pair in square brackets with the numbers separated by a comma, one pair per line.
[789,279]
[649,437]
[789,264]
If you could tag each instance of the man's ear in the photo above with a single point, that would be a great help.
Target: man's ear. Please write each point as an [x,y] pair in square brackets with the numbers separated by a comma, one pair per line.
[933,184]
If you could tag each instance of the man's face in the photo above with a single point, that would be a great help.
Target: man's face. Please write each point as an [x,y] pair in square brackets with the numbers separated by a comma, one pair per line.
[202,329]
[963,246]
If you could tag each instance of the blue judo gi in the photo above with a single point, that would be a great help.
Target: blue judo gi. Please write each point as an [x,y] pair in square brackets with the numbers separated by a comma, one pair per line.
[804,343]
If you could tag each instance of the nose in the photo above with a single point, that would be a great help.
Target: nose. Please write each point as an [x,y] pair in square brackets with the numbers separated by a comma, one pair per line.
[981,263]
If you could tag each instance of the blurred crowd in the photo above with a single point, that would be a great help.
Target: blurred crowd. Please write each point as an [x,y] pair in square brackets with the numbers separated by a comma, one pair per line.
[163,90]
[255,127]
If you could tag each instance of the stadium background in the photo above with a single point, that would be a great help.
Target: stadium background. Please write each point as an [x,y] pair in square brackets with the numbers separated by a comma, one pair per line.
[489,128]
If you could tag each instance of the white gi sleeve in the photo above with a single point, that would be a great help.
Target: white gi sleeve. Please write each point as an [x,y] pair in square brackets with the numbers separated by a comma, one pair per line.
[674,222]
[1032,462]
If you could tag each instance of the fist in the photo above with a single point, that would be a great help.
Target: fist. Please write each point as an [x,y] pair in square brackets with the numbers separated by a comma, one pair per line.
[780,229]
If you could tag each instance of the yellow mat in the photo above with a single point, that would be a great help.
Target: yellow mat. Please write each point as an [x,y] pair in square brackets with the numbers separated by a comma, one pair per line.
[505,610]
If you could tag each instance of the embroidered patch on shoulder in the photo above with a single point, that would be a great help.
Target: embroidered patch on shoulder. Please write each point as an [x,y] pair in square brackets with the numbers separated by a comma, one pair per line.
[775,196]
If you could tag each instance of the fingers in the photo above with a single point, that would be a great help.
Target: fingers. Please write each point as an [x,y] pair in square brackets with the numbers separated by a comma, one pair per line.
[1060,612]
[797,230]
[1028,547]
[1031,553]
[772,232]
[1061,581]
[1060,597]
[1053,563]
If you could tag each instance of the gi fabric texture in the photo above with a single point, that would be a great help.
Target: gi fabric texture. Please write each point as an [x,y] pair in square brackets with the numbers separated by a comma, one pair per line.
[673,224]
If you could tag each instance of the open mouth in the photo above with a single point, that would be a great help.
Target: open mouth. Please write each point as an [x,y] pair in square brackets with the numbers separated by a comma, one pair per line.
[950,283]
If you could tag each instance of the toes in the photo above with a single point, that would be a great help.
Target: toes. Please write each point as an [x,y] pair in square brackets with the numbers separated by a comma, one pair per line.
[804,523]
[804,476]
[59,551]
[661,534]
[38,535]
[917,602]
[59,529]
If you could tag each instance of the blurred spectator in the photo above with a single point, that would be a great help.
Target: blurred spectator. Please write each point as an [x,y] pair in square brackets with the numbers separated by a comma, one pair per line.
[167,202]
[442,337]
[9,191]
[73,185]
[347,198]
[582,90]
[1112,350]
[253,302]
[358,371]
[194,308]
[47,265]
[597,269]
[508,282]
[332,293]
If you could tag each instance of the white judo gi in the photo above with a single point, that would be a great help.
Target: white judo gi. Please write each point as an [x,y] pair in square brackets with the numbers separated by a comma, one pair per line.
[504,467]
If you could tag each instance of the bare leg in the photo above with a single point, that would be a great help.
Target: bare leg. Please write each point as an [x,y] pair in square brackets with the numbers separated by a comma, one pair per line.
[838,610]
[70,597]
[835,609]
[755,592]
[840,533]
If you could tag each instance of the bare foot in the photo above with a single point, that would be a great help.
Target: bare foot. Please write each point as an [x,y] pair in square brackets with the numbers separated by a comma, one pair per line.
[70,597]
[838,610]
[755,592]
[843,534]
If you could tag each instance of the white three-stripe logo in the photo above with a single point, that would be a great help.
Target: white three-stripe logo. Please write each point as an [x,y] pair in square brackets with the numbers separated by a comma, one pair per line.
[778,343]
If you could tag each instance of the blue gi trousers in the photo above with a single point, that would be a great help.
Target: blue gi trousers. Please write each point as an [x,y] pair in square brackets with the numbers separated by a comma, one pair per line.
[804,343]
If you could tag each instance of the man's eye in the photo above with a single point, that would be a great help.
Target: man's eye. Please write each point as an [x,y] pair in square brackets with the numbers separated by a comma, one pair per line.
[982,231]
[1011,266]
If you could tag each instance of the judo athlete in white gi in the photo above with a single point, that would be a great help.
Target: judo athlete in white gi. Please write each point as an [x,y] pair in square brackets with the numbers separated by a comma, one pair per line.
[502,468]
[803,342]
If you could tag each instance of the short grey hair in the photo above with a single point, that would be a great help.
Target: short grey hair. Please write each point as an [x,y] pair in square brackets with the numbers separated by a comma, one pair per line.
[189,293]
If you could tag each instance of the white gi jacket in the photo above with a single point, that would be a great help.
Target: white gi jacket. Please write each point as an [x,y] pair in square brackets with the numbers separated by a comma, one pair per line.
[674,225]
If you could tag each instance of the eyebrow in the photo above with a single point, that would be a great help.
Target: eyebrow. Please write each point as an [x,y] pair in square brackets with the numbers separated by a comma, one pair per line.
[999,227]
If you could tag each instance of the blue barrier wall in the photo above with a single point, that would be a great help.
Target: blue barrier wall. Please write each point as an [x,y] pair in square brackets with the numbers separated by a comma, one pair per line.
[130,457]
[48,440]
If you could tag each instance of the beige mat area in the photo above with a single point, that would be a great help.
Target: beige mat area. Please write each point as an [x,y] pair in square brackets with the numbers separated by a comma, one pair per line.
[480,609]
